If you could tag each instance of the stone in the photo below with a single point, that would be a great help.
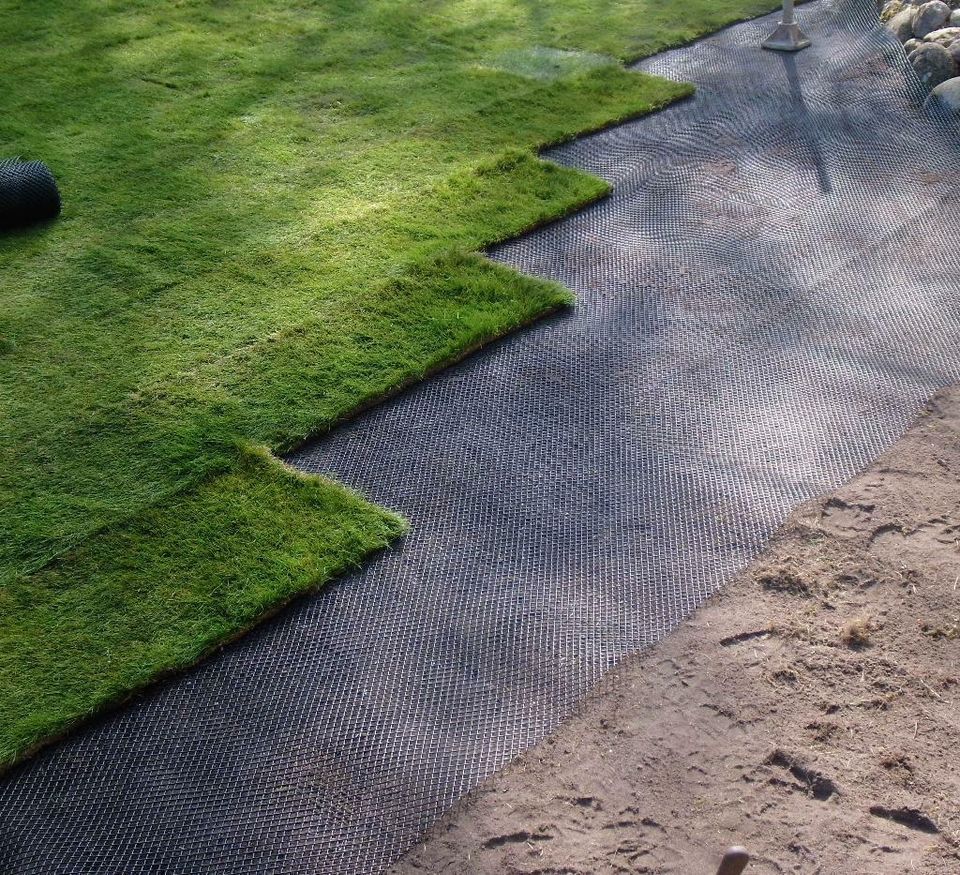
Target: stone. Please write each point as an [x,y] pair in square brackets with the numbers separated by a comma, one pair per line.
[944,37]
[891,8]
[933,64]
[955,18]
[911,45]
[955,53]
[931,16]
[901,25]
[946,97]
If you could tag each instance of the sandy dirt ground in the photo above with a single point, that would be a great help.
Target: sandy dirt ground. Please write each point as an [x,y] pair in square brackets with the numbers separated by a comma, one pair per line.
[810,712]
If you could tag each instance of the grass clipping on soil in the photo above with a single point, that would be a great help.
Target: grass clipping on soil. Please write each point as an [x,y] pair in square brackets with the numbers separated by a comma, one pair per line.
[269,217]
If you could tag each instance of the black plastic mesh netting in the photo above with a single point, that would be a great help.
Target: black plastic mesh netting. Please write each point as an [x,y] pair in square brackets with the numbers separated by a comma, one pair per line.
[764,304]
[28,193]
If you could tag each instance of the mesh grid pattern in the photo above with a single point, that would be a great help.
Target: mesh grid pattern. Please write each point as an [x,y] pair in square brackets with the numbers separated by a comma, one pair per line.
[28,193]
[764,304]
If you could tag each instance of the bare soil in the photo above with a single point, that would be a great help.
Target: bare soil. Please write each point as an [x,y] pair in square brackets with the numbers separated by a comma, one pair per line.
[810,711]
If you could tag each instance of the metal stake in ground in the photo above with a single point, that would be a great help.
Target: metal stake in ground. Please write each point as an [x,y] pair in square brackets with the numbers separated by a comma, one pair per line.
[787,37]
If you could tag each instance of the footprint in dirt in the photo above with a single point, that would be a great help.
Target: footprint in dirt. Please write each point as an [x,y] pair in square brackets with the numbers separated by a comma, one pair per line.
[938,537]
[846,518]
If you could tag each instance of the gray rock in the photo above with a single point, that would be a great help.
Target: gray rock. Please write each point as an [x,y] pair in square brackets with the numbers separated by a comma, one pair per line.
[946,97]
[931,16]
[955,53]
[901,25]
[933,64]
[955,18]
[911,45]
[945,36]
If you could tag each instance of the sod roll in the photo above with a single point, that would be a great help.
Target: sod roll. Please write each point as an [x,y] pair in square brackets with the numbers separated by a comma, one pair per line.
[28,193]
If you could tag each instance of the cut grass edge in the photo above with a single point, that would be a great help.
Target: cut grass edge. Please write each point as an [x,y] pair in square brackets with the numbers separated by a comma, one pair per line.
[305,379]
[96,556]
[84,560]
[79,561]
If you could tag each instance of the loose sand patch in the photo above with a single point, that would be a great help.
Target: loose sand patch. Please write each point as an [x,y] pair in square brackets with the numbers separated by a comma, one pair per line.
[810,711]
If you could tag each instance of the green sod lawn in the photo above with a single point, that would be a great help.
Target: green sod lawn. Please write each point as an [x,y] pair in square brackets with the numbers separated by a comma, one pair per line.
[272,212]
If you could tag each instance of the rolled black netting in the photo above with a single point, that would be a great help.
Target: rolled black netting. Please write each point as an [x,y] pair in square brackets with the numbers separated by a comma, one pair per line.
[28,193]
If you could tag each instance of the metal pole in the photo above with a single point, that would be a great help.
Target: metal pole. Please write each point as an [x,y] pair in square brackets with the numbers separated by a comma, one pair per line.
[787,37]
